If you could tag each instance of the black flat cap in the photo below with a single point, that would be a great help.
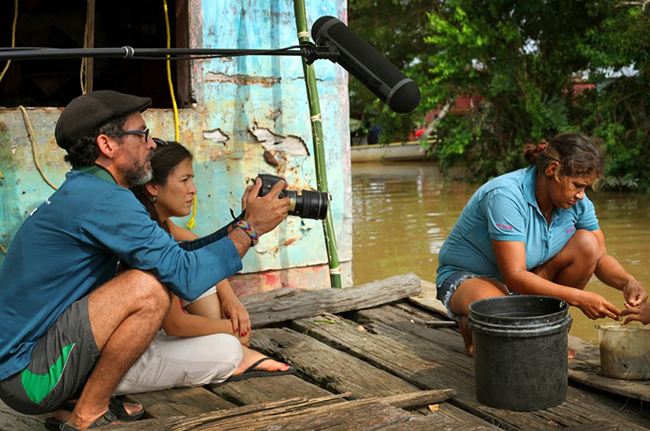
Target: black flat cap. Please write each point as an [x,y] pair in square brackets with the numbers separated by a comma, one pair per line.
[87,113]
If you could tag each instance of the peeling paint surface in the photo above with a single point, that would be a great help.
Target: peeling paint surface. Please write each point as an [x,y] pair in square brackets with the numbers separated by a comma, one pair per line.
[292,145]
[248,109]
[215,135]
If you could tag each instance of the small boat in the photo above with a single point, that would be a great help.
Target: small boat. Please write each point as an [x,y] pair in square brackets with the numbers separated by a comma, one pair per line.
[395,152]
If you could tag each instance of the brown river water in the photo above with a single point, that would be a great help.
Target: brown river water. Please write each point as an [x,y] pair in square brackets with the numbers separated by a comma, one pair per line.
[403,212]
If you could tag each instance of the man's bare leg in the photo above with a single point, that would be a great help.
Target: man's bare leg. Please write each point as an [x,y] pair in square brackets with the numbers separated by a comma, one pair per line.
[125,315]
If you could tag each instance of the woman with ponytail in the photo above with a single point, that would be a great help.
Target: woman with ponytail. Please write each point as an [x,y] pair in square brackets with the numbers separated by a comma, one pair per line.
[534,232]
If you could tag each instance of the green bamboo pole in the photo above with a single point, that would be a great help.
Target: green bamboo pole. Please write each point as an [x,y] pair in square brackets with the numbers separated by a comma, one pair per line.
[317,136]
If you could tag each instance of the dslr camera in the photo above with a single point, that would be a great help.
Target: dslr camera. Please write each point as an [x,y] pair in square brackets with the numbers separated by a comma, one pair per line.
[302,203]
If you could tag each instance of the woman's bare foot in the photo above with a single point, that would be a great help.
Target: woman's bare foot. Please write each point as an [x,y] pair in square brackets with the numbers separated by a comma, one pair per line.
[572,354]
[466,332]
[251,356]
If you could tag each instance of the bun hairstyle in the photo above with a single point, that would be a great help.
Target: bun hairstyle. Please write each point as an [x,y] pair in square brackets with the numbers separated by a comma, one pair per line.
[577,154]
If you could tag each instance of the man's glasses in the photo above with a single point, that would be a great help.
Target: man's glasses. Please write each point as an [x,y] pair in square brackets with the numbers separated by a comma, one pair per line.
[146,132]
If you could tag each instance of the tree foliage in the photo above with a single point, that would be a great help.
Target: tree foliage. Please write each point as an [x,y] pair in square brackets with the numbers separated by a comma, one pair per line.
[397,29]
[539,68]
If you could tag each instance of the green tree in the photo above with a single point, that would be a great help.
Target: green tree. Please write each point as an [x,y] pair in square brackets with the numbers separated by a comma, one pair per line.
[397,29]
[538,67]
[619,111]
[529,62]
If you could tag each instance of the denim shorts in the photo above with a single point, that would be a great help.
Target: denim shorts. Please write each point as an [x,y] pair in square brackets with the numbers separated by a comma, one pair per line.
[449,286]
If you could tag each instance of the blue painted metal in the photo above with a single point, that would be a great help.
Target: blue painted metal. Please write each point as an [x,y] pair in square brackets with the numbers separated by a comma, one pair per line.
[234,97]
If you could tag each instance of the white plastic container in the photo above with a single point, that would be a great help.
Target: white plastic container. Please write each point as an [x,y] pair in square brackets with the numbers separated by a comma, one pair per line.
[624,351]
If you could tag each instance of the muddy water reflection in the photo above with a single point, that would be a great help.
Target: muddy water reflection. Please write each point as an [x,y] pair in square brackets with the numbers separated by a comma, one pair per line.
[404,211]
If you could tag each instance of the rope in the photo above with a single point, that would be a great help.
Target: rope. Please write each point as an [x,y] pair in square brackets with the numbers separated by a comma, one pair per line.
[31,134]
[2,75]
[13,38]
[84,62]
[169,74]
[192,222]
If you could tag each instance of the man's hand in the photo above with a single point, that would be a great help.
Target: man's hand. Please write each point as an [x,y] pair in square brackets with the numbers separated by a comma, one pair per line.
[595,306]
[639,314]
[264,213]
[634,294]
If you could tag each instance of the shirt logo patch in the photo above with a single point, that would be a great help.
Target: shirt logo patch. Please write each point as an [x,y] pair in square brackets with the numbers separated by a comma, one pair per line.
[502,226]
[573,229]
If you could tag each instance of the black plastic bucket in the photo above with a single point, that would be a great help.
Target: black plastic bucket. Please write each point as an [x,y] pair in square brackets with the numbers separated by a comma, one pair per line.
[520,351]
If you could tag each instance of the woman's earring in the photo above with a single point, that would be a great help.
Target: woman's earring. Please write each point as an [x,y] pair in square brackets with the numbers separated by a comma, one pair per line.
[154,200]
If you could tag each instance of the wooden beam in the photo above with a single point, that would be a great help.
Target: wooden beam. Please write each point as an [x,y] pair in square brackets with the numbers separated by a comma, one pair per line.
[309,414]
[289,303]
[457,372]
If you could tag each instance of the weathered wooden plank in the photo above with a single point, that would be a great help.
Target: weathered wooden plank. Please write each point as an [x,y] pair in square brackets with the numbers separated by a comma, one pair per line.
[289,303]
[237,412]
[460,419]
[415,399]
[383,352]
[14,421]
[261,390]
[340,372]
[598,426]
[585,368]
[439,424]
[363,415]
[427,299]
[160,404]
[180,402]
[445,341]
[328,367]
[580,407]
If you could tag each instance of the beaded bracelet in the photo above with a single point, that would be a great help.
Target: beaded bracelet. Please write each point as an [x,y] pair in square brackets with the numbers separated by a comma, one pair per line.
[250,231]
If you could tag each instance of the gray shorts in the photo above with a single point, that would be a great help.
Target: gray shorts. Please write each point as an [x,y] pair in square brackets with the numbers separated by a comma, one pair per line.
[60,365]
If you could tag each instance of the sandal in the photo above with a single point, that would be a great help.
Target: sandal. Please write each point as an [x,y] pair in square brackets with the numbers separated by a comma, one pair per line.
[102,421]
[115,405]
[251,372]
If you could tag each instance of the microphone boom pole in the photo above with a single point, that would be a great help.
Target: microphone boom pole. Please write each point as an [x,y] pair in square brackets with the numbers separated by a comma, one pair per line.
[317,136]
[306,49]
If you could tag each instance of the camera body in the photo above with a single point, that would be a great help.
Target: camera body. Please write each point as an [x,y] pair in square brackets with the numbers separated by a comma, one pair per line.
[302,203]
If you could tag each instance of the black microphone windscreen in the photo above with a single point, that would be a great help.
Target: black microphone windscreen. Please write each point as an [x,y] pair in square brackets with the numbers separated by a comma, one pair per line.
[366,64]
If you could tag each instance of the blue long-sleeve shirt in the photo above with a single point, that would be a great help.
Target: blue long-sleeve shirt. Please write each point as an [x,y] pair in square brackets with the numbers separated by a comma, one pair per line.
[72,243]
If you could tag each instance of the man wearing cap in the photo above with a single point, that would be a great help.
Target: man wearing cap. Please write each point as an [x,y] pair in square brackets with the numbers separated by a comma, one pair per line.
[71,327]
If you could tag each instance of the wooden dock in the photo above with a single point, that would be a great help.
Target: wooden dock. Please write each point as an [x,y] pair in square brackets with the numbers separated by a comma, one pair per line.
[372,362]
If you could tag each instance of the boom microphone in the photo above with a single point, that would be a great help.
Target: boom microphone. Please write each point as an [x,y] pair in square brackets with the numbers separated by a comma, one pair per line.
[366,64]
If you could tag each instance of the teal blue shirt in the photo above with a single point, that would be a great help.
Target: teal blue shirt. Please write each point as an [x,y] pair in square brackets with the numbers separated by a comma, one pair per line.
[505,209]
[71,244]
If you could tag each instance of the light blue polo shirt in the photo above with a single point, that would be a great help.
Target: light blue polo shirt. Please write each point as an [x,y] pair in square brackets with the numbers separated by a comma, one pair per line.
[505,209]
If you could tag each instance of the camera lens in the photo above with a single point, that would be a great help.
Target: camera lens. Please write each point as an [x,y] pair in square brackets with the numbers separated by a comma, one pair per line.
[311,204]
[303,203]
